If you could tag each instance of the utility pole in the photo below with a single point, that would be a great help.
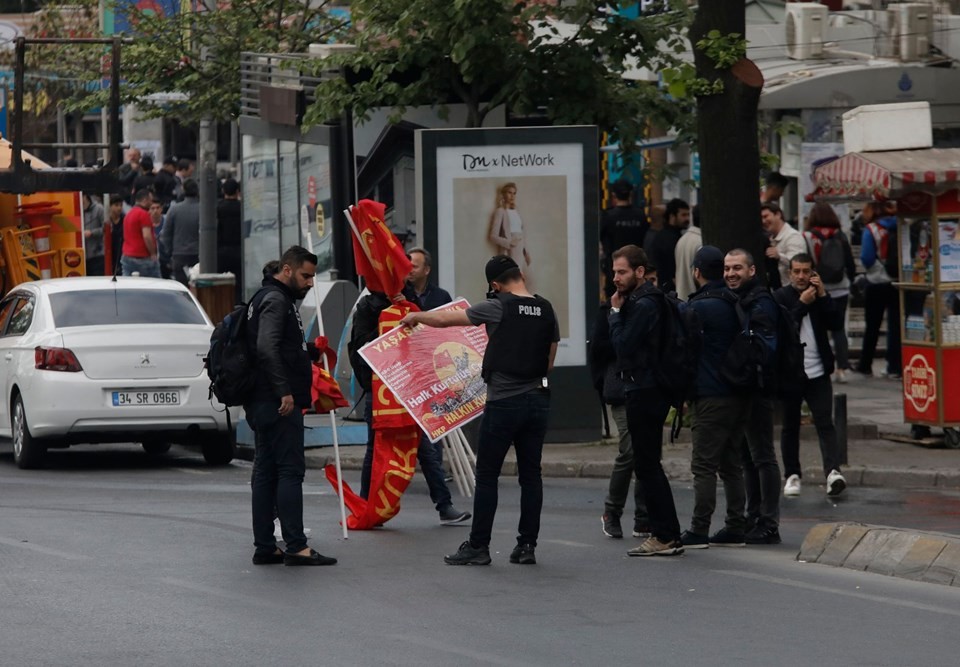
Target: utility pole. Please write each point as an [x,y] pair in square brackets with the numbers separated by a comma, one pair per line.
[207,176]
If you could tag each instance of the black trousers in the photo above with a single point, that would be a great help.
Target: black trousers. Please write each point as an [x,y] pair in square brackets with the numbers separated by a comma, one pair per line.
[278,469]
[818,393]
[717,434]
[880,298]
[761,472]
[646,412]
[520,421]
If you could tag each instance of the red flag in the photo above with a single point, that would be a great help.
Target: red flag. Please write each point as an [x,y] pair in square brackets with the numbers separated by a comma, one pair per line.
[379,256]
[325,391]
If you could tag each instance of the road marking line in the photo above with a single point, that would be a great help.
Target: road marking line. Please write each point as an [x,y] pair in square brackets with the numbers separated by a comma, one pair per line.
[192,471]
[43,550]
[850,594]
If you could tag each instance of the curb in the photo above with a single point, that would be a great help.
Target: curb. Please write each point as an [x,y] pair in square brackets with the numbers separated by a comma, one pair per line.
[907,554]
[678,470]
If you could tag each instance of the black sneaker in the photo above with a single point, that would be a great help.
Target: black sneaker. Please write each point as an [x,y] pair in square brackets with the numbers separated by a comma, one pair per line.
[451,515]
[468,554]
[641,528]
[611,526]
[692,540]
[763,535]
[523,554]
[727,538]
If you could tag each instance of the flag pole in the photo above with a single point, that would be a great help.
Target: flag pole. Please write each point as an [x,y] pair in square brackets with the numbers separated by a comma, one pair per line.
[333,415]
[454,465]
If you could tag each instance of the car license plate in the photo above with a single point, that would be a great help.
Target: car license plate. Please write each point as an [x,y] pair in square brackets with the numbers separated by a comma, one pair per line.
[131,397]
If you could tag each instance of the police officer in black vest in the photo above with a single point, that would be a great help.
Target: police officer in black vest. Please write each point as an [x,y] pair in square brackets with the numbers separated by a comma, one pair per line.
[523,334]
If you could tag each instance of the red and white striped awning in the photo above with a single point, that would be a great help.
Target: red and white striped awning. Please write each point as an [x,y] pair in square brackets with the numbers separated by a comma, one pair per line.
[888,174]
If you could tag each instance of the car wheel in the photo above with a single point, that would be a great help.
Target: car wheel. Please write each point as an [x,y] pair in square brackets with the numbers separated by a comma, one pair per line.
[219,450]
[27,451]
[155,447]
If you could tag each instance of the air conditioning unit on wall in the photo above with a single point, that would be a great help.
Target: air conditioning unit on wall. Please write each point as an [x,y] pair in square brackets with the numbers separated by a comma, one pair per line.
[915,29]
[805,24]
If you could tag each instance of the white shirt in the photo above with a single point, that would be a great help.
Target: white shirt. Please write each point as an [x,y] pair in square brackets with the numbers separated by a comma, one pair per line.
[812,363]
[516,225]
[790,243]
[683,254]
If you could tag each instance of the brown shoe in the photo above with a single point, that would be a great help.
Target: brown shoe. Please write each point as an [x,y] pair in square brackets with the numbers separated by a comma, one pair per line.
[654,547]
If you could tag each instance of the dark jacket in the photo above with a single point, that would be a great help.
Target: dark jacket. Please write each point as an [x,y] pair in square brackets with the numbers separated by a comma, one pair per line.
[602,360]
[229,236]
[181,230]
[164,185]
[823,317]
[366,328]
[714,305]
[634,333]
[664,258]
[276,332]
[432,297]
[757,302]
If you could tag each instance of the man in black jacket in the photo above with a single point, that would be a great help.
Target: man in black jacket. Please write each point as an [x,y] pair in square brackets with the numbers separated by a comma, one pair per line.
[275,411]
[814,313]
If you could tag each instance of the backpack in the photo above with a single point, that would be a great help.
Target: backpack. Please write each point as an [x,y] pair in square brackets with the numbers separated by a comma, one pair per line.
[750,367]
[789,373]
[229,363]
[678,349]
[831,257]
[743,367]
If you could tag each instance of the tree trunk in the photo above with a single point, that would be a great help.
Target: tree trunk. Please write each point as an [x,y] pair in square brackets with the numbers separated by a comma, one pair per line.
[728,138]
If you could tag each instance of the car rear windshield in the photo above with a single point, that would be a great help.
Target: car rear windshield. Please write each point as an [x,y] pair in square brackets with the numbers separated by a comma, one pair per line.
[86,308]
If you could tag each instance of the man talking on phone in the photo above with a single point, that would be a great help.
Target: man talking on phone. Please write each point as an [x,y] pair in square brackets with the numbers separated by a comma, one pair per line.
[814,313]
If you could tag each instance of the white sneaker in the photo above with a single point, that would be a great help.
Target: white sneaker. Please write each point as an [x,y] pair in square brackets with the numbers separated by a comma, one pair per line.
[835,483]
[841,376]
[792,487]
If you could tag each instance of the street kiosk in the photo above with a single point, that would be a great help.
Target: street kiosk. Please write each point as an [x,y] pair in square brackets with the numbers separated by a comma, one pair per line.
[925,183]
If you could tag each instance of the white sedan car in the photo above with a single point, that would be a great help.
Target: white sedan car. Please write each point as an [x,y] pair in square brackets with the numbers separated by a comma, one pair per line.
[92,360]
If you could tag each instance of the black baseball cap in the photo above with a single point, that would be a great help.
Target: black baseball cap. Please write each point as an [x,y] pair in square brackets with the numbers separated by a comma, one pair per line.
[497,266]
[709,259]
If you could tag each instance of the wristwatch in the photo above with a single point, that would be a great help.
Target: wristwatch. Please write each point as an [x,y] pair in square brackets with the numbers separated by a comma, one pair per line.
[614,310]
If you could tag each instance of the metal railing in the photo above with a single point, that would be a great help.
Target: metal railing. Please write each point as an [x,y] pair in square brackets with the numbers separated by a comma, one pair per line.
[276,71]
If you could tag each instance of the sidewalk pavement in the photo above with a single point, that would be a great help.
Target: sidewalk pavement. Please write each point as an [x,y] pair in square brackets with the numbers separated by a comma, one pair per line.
[874,410]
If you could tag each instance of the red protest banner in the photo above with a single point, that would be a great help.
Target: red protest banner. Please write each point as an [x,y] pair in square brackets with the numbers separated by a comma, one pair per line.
[434,373]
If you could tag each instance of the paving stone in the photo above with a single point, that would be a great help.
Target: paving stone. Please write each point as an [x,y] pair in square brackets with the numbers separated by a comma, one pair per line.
[596,469]
[845,539]
[946,568]
[888,557]
[816,541]
[866,549]
[920,557]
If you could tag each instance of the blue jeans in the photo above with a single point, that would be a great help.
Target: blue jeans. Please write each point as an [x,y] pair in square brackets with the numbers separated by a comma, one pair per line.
[430,456]
[278,469]
[520,421]
[146,267]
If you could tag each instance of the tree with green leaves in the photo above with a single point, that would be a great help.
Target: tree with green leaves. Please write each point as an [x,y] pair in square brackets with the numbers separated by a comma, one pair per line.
[566,61]
[195,56]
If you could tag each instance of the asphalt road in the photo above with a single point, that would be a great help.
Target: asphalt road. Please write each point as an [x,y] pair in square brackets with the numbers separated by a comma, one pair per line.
[110,558]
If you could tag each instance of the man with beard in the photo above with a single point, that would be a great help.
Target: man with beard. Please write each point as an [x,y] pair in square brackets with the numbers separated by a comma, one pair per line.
[275,411]
[635,325]
[760,467]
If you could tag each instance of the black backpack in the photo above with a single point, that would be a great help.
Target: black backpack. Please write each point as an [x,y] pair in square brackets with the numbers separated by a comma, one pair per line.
[678,349]
[789,373]
[832,258]
[229,361]
[744,366]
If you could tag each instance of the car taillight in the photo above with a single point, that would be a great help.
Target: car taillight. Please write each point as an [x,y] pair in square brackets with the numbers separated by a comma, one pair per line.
[56,359]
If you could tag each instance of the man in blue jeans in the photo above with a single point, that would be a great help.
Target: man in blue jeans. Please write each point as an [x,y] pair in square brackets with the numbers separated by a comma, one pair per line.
[275,410]
[523,335]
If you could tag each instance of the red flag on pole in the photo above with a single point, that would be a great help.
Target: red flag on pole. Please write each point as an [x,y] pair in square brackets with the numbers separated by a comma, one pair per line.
[325,391]
[378,254]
